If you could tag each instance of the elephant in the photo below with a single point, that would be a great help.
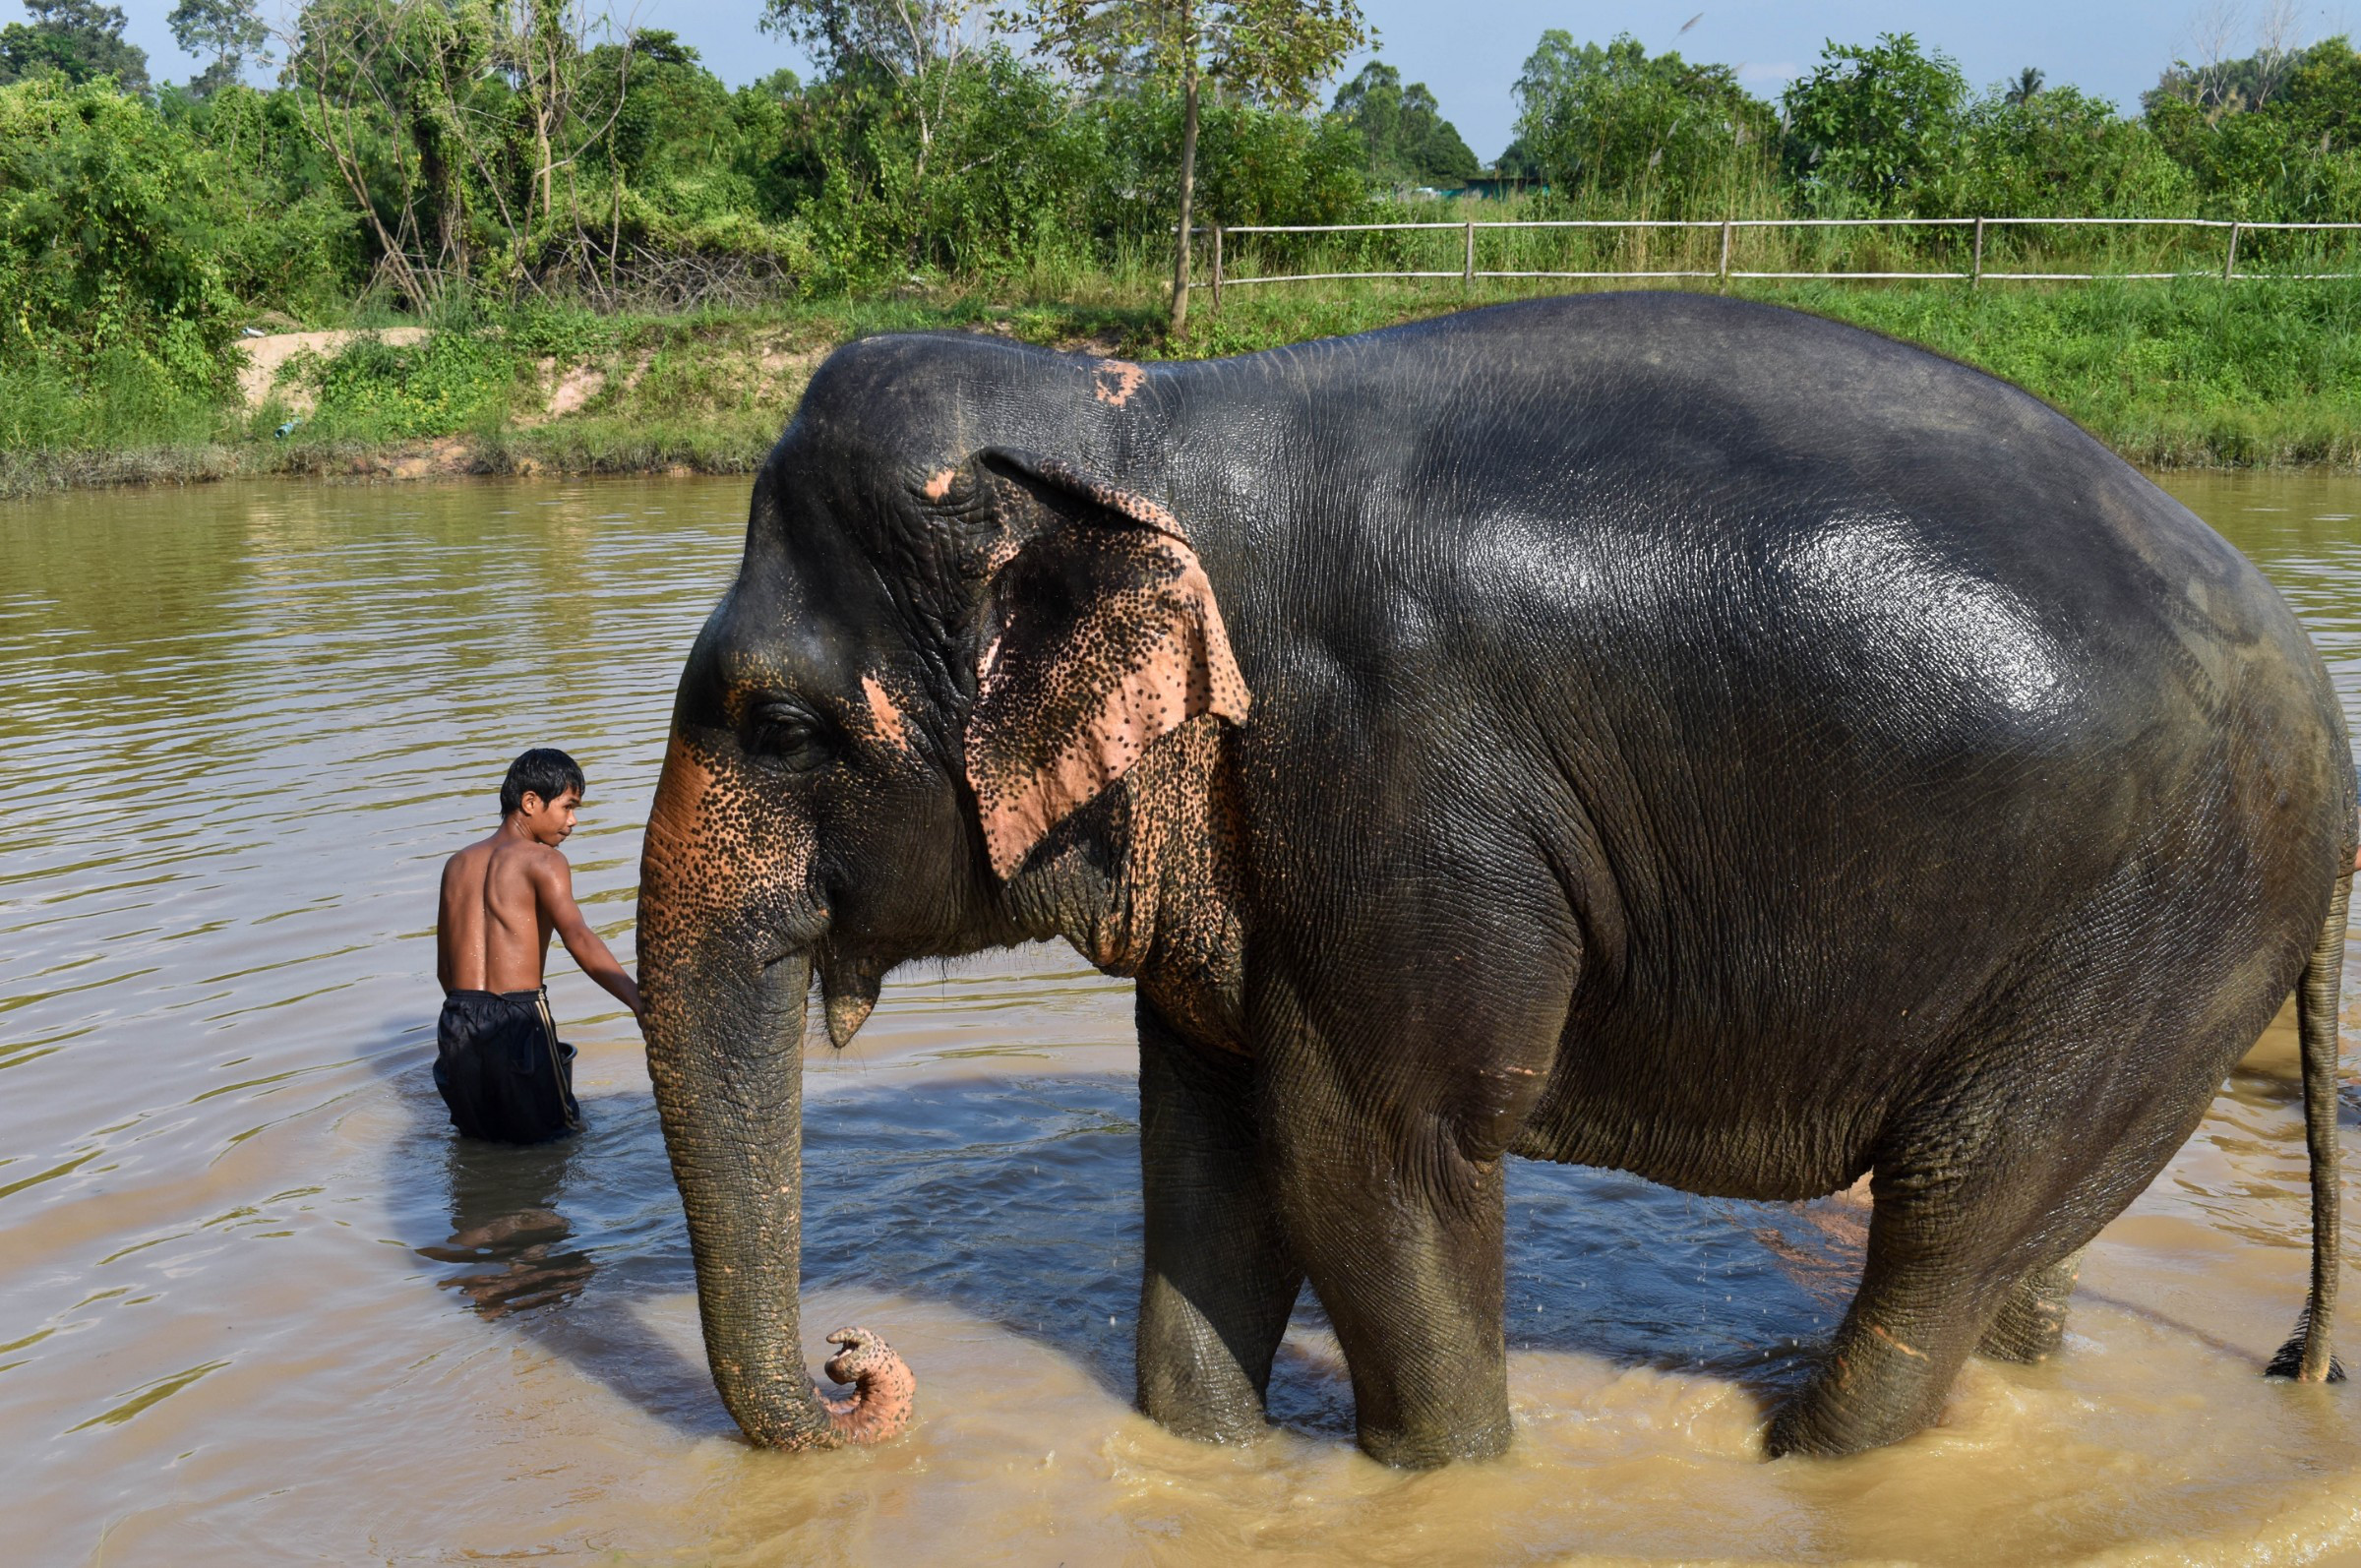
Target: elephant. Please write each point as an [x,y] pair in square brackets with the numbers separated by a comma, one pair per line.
[1654,731]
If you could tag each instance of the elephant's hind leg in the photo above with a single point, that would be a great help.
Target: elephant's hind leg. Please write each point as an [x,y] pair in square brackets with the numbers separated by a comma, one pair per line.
[1944,1237]
[1219,1283]
[2031,1321]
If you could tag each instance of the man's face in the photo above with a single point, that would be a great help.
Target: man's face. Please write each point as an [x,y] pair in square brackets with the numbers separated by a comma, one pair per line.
[551,821]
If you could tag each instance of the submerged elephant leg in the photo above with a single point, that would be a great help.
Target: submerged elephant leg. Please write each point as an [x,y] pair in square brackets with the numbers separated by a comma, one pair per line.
[1926,1297]
[1399,1232]
[1412,1280]
[2031,1321]
[1219,1283]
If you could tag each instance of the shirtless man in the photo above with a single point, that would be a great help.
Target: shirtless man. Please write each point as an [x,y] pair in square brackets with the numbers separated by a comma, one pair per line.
[503,1070]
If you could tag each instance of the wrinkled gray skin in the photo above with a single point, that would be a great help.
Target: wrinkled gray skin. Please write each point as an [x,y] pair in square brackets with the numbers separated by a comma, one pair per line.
[1685,736]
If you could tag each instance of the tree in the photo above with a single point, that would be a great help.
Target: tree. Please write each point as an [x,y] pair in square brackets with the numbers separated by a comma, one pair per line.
[1871,121]
[1646,129]
[1409,140]
[912,46]
[1272,51]
[384,81]
[227,30]
[1515,163]
[104,242]
[2056,153]
[2026,89]
[79,40]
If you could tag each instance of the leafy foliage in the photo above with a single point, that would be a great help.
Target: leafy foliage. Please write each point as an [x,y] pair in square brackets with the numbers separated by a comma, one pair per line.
[1255,165]
[226,29]
[1667,136]
[107,234]
[2293,152]
[523,163]
[79,40]
[2058,152]
[997,181]
[1265,51]
[1409,143]
[379,392]
[1871,123]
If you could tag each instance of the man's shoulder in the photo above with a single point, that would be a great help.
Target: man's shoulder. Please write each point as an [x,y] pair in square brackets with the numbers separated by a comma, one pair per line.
[532,858]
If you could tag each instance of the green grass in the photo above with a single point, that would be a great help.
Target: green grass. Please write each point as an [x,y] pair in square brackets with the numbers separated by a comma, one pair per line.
[2180,374]
[2168,374]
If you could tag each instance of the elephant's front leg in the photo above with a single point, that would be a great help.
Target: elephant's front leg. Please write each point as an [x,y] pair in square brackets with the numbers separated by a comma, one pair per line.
[1392,1191]
[1219,1283]
[1402,1243]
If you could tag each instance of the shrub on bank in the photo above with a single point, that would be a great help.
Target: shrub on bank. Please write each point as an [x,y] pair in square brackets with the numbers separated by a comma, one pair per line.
[375,391]
[104,233]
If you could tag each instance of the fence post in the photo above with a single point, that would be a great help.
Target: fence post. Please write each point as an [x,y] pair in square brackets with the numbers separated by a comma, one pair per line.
[1217,268]
[2229,259]
[1975,273]
[1722,271]
[1467,271]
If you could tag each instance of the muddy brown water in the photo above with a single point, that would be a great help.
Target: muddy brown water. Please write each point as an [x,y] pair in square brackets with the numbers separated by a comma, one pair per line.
[256,1304]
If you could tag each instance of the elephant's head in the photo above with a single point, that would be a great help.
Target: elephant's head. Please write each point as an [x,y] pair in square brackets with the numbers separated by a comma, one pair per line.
[950,629]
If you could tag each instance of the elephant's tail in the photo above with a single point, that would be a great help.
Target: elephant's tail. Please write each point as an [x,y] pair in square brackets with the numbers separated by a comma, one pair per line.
[2308,1357]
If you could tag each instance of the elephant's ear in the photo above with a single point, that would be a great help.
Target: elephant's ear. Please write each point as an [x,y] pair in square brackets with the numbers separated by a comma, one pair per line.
[1099,635]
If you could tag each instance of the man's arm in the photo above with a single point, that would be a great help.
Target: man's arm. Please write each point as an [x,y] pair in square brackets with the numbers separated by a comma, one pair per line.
[552,880]
[442,928]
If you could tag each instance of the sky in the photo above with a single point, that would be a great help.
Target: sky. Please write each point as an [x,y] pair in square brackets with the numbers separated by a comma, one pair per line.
[1469,52]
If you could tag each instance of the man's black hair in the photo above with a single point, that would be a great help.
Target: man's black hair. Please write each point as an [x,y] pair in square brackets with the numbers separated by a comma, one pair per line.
[545,772]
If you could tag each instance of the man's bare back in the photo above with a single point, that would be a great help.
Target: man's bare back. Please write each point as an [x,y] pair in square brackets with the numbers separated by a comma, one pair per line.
[504,896]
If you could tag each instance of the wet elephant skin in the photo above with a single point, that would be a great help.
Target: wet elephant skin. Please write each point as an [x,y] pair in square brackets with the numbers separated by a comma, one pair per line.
[1649,731]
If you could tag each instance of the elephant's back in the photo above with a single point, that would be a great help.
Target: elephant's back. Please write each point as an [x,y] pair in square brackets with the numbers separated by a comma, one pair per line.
[1729,521]
[1874,653]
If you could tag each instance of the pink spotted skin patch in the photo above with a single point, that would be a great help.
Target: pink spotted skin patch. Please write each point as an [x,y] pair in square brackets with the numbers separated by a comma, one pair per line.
[1063,710]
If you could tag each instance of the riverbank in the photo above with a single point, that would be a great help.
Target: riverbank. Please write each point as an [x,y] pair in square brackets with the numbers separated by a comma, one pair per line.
[2178,374]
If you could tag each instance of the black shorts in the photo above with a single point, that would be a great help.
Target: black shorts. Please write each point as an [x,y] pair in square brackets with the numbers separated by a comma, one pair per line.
[503,1070]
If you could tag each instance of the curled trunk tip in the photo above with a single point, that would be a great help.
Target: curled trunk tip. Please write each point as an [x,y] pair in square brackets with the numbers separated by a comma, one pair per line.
[883,1388]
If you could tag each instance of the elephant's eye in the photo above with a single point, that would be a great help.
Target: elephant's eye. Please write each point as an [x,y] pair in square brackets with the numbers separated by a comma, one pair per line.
[789,735]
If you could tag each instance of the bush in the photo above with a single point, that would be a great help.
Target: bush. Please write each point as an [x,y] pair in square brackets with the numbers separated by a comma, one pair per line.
[276,221]
[976,167]
[2056,153]
[105,236]
[375,390]
[1656,137]
[1255,165]
[1872,123]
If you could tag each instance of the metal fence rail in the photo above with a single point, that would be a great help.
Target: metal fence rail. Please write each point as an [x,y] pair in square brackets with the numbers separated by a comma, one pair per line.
[1468,273]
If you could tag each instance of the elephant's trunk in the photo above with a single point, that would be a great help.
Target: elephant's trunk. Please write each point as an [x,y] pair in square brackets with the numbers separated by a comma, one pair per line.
[725,1051]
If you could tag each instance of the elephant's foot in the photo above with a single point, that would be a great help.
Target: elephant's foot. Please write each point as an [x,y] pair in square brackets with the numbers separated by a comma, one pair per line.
[1191,1380]
[1862,1398]
[2031,1322]
[1888,1370]
[879,1406]
[1827,1420]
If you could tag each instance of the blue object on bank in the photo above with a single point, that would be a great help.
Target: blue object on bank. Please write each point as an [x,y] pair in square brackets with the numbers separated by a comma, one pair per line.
[287,429]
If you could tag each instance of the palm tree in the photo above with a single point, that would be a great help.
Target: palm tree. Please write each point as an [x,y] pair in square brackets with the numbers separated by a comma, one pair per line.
[2026,87]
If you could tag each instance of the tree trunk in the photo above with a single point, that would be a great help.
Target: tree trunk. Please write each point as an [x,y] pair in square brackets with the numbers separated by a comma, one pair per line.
[1188,191]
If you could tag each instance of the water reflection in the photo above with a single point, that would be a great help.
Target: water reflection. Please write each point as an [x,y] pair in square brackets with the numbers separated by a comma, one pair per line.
[505,1232]
[1016,1203]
